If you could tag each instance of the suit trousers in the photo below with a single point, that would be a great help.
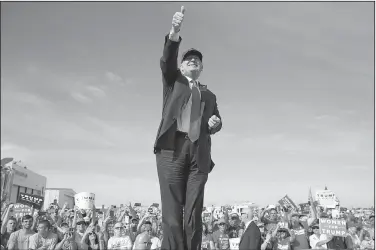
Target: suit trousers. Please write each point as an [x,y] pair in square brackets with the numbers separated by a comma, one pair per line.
[182,187]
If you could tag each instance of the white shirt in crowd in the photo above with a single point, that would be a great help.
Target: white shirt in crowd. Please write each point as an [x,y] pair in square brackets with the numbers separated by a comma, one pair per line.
[156,243]
[36,241]
[123,242]
[313,240]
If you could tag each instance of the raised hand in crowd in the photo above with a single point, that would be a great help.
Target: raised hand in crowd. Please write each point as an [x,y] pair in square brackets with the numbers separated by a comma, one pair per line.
[132,212]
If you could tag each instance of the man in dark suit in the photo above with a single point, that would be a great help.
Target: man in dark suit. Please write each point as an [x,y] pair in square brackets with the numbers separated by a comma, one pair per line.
[251,238]
[183,145]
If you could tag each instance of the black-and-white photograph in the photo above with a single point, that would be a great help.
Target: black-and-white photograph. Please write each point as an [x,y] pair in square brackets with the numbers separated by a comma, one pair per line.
[187,125]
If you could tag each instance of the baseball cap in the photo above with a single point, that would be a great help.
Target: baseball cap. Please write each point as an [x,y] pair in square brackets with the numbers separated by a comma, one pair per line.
[192,51]
[221,220]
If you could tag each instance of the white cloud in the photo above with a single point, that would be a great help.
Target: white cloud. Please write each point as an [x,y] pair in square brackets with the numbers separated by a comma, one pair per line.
[30,98]
[80,97]
[114,78]
[95,91]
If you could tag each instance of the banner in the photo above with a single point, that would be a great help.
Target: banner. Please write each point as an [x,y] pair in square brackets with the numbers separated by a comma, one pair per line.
[31,200]
[234,243]
[84,200]
[20,210]
[332,227]
[326,198]
[288,203]
[305,208]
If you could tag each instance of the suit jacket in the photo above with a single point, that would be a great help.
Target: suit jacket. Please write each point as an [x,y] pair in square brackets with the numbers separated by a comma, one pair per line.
[176,92]
[251,238]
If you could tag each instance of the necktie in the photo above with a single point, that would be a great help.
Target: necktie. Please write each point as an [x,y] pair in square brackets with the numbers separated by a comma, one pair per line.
[195,121]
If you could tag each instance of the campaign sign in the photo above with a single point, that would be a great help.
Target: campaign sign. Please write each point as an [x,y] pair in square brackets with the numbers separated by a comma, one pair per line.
[305,207]
[234,243]
[332,227]
[84,200]
[31,200]
[288,203]
[20,210]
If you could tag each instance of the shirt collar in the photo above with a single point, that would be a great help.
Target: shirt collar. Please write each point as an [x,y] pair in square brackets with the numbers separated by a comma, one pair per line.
[247,224]
[190,80]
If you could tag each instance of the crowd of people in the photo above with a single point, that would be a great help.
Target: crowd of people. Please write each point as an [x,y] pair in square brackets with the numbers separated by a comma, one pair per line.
[129,227]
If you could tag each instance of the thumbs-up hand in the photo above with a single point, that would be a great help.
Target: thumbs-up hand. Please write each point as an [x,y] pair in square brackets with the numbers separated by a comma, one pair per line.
[177,20]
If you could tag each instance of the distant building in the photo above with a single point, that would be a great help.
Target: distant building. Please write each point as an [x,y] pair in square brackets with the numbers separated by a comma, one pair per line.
[23,180]
[60,195]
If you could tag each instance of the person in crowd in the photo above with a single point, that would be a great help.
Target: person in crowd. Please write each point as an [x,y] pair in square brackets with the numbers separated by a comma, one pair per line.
[133,228]
[367,242]
[370,226]
[207,239]
[300,231]
[142,242]
[220,237]
[337,243]
[352,239]
[282,238]
[251,238]
[67,241]
[317,240]
[267,242]
[156,242]
[91,239]
[20,239]
[8,226]
[234,221]
[118,241]
[80,231]
[44,239]
[272,221]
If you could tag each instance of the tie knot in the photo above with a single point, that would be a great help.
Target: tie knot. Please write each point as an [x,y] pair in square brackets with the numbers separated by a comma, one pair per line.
[194,83]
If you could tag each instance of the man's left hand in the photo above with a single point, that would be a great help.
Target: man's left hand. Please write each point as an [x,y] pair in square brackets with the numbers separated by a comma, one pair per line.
[214,121]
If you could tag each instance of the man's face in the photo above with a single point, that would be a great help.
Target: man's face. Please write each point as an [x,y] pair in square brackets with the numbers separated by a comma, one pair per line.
[27,223]
[42,230]
[273,214]
[222,227]
[118,229]
[234,219]
[147,228]
[295,218]
[134,223]
[81,227]
[191,65]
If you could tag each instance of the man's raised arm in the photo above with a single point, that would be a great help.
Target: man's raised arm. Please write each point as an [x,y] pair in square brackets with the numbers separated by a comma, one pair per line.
[169,59]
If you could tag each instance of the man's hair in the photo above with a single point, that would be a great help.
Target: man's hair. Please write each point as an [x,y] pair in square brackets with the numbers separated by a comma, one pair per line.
[64,224]
[147,223]
[273,209]
[45,222]
[13,219]
[27,217]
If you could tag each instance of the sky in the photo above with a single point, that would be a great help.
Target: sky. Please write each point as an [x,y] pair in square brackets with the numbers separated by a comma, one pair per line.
[81,96]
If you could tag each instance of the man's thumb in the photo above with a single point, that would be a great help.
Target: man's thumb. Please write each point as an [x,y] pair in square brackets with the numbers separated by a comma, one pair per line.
[182,10]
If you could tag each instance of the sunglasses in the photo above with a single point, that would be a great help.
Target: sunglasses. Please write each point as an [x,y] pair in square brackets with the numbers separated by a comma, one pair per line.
[221,224]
